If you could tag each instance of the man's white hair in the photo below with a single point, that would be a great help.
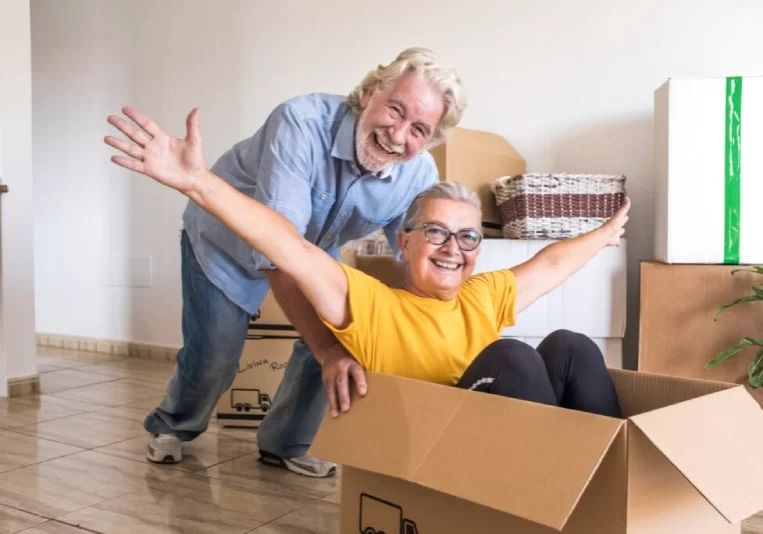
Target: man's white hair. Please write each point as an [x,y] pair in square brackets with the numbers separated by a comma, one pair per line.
[447,190]
[432,69]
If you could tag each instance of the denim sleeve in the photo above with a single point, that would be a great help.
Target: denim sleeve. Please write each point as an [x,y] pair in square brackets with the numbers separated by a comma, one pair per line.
[283,171]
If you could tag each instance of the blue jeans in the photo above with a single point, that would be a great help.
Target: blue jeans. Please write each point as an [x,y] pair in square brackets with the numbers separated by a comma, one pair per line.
[214,333]
[298,408]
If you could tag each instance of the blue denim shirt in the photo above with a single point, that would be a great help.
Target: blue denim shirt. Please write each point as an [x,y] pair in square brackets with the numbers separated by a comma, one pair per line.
[301,163]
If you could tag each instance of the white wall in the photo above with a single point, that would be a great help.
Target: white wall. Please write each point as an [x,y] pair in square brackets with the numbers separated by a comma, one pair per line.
[17,314]
[570,84]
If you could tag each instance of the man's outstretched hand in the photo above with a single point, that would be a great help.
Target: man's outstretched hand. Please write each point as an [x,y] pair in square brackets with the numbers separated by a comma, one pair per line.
[176,163]
[337,369]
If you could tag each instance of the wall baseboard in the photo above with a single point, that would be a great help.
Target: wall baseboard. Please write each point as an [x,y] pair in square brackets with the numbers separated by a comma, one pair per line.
[107,346]
[23,385]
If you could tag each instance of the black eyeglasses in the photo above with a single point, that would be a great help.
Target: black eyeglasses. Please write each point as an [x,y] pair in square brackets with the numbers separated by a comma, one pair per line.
[467,239]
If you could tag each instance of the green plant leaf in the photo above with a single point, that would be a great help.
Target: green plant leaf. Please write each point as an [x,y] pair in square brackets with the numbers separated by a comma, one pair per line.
[758,269]
[755,370]
[730,351]
[748,298]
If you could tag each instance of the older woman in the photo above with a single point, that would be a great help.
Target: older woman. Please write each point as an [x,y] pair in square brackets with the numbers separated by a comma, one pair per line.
[443,325]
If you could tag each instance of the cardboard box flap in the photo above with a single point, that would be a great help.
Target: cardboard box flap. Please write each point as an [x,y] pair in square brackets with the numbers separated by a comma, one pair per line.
[522,458]
[714,441]
[390,430]
[640,392]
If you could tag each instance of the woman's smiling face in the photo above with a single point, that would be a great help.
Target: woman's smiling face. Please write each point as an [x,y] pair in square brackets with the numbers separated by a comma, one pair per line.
[439,270]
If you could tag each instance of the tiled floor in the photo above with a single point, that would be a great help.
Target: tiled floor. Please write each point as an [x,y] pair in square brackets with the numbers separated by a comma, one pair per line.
[72,461]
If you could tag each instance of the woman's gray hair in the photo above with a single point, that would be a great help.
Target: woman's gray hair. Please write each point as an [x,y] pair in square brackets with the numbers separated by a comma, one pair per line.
[446,190]
[432,69]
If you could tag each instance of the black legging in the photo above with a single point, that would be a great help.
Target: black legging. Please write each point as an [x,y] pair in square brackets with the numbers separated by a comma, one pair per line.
[567,370]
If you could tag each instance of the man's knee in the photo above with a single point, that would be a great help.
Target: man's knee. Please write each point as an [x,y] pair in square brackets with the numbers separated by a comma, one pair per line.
[209,361]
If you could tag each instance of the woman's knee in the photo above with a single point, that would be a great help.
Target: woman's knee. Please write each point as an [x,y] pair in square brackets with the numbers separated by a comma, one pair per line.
[568,338]
[513,355]
[568,344]
[510,368]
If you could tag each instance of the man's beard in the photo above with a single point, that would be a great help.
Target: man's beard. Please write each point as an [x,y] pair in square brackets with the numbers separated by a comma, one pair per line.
[372,150]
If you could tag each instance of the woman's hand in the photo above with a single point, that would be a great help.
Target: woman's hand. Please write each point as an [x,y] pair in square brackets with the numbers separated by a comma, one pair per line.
[176,163]
[613,229]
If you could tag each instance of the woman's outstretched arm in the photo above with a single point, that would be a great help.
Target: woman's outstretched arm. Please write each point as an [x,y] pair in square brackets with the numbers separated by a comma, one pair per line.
[554,264]
[179,164]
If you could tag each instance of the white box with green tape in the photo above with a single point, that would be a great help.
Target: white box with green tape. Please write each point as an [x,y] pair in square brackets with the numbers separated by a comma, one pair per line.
[708,164]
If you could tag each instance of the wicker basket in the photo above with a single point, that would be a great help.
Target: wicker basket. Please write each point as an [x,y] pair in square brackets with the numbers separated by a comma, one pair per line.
[556,206]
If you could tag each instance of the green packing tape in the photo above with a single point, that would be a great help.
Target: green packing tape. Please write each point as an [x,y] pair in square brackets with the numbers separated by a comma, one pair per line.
[733,167]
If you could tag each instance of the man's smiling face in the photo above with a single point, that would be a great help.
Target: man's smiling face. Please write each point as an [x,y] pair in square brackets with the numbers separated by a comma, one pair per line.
[397,123]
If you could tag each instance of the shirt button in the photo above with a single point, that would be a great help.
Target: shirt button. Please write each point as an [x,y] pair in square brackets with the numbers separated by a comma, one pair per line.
[329,238]
[343,214]
[324,196]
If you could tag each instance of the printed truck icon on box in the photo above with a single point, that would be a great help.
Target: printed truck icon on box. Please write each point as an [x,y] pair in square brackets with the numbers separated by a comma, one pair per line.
[378,516]
[249,399]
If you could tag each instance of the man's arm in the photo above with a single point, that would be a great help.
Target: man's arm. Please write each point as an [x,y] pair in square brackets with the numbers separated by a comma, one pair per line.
[550,267]
[336,363]
[300,312]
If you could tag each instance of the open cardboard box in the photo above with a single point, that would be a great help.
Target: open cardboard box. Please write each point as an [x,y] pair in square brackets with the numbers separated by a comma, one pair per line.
[422,458]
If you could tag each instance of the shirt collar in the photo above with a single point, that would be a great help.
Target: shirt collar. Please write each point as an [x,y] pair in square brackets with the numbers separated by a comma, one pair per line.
[344,145]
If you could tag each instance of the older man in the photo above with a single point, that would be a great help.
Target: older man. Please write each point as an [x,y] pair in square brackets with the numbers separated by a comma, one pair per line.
[339,168]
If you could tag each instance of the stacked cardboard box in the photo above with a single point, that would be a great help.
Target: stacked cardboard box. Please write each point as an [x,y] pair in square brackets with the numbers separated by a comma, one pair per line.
[678,332]
[709,170]
[267,349]
[708,185]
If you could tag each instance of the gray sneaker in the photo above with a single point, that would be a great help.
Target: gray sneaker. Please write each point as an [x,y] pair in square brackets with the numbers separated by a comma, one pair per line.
[302,465]
[164,449]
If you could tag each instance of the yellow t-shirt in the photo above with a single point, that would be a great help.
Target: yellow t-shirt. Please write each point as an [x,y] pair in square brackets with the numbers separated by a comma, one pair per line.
[395,332]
